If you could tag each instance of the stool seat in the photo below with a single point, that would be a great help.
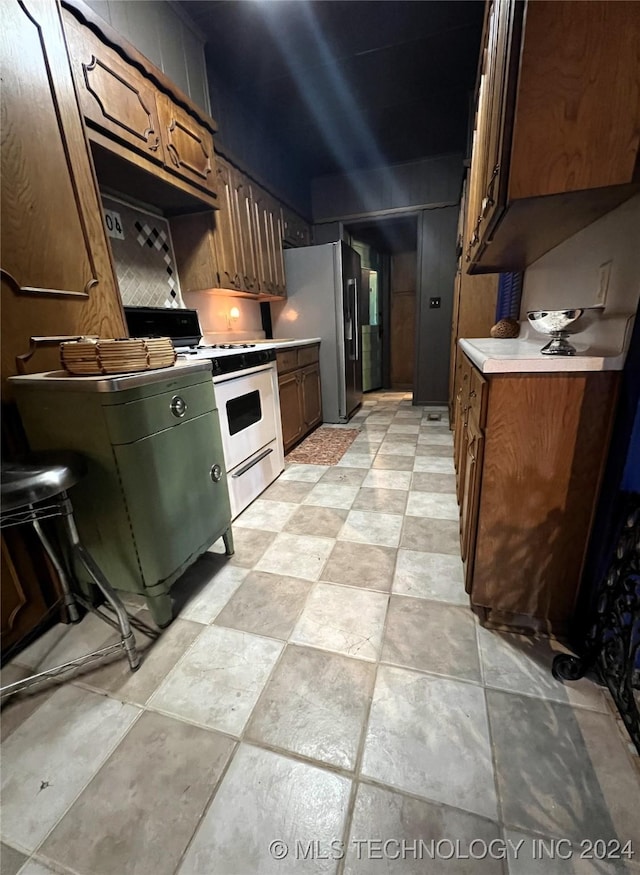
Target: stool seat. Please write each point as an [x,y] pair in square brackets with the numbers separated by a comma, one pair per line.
[39,477]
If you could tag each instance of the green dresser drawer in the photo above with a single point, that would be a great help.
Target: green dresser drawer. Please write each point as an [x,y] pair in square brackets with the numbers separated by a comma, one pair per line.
[135,420]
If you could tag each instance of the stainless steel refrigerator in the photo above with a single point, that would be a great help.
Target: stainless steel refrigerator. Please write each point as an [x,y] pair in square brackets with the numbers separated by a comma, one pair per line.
[323,300]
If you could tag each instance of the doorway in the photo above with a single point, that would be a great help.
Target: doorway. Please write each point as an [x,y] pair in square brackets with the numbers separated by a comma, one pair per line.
[388,255]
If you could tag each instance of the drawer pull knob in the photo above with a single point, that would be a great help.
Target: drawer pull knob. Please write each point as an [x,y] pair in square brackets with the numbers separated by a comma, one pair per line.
[216,473]
[178,406]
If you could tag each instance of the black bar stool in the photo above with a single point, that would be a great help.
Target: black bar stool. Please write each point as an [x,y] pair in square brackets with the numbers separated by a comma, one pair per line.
[34,489]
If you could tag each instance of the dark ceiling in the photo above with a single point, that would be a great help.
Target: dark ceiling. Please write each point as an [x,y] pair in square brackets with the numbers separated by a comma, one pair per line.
[348,84]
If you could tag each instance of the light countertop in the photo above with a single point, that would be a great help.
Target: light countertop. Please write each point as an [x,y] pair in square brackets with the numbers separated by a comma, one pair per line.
[285,344]
[601,348]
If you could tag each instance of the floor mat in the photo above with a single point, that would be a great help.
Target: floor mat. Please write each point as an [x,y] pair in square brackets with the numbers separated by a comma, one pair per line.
[325,446]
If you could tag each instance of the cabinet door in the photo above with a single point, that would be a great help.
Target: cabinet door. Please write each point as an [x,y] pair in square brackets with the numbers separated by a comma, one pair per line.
[114,96]
[460,433]
[244,231]
[295,230]
[57,275]
[188,145]
[268,242]
[179,513]
[226,236]
[290,408]
[311,396]
[471,499]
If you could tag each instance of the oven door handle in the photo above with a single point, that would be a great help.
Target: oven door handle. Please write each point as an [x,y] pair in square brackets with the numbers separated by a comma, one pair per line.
[249,465]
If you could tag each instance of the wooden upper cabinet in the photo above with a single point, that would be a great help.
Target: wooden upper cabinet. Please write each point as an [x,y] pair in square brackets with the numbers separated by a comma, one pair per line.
[268,242]
[52,236]
[557,126]
[295,231]
[114,96]
[188,145]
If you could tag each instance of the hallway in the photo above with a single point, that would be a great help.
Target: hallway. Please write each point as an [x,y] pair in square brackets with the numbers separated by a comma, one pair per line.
[325,702]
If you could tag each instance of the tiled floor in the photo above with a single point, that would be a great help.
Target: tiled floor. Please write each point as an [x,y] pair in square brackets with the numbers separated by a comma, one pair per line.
[325,702]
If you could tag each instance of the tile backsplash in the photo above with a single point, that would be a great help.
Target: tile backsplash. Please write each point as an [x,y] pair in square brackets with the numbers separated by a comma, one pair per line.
[143,255]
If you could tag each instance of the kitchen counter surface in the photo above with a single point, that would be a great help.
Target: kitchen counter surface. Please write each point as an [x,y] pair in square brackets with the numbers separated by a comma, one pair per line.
[286,344]
[601,351]
[113,382]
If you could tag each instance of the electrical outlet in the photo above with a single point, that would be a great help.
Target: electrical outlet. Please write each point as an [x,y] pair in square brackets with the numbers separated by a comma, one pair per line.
[604,272]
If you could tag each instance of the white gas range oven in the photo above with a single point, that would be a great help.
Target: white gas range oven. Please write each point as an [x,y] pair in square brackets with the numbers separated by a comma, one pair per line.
[246,388]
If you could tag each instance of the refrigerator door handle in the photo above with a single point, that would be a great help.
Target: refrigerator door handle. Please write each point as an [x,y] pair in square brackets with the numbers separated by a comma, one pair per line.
[352,318]
[356,319]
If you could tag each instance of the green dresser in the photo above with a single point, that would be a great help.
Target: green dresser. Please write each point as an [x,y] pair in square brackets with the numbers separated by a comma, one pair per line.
[155,496]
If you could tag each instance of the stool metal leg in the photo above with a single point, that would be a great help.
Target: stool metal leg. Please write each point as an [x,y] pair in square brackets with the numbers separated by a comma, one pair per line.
[69,600]
[128,640]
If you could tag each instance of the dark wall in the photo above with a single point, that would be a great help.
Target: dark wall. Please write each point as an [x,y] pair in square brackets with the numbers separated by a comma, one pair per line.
[436,270]
[258,151]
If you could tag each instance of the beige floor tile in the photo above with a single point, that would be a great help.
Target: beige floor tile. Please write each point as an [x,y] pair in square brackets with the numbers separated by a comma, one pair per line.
[356,460]
[344,620]
[16,708]
[396,448]
[435,576]
[372,528]
[521,664]
[48,760]
[430,736]
[305,473]
[315,705]
[530,854]
[209,600]
[267,516]
[158,658]
[381,500]
[366,565]
[265,798]
[293,491]
[434,505]
[434,465]
[296,555]
[347,476]
[323,522]
[339,495]
[120,822]
[432,437]
[423,482]
[266,604]
[218,681]
[394,463]
[250,545]
[397,427]
[434,451]
[403,822]
[11,860]
[546,780]
[381,479]
[431,636]
[431,535]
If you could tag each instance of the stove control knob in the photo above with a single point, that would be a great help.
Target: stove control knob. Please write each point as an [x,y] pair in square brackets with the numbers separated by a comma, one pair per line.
[216,473]
[178,406]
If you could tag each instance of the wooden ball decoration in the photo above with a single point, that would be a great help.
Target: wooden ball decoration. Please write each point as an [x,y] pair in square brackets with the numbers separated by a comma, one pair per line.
[505,328]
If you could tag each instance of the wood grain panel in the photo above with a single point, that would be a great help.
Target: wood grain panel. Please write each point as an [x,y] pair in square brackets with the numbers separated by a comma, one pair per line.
[46,172]
[114,96]
[291,412]
[577,122]
[311,397]
[188,144]
[546,442]
[54,246]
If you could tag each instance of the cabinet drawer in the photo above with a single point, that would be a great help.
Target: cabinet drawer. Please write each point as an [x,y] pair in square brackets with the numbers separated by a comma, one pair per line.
[287,360]
[307,355]
[114,96]
[135,420]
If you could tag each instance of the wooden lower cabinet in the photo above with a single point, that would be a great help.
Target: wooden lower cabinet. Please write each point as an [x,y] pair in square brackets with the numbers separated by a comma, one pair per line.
[529,462]
[300,393]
